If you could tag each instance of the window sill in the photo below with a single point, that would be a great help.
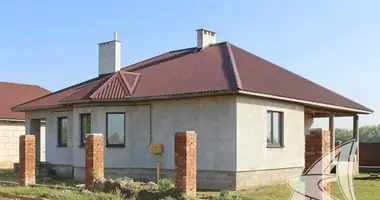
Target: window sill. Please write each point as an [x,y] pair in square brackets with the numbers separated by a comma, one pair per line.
[115,145]
[275,146]
[62,145]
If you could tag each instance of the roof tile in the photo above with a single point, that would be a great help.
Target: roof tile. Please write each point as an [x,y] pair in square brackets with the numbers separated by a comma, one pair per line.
[220,67]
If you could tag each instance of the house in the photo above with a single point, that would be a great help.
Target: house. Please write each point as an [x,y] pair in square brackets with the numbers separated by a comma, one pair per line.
[250,115]
[12,124]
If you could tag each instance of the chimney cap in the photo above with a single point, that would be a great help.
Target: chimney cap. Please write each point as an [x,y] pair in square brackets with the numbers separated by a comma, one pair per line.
[114,39]
[202,29]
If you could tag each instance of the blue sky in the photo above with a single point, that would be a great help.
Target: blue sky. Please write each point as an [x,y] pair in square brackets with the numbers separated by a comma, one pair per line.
[334,43]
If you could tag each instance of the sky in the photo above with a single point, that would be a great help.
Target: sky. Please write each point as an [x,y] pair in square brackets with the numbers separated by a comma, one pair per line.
[336,44]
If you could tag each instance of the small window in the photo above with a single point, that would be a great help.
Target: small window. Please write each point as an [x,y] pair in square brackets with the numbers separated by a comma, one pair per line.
[85,124]
[275,132]
[62,131]
[115,130]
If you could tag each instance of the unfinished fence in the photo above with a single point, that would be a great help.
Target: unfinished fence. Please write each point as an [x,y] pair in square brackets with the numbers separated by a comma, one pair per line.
[369,154]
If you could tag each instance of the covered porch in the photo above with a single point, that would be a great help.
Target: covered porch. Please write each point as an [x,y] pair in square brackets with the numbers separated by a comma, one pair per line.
[312,113]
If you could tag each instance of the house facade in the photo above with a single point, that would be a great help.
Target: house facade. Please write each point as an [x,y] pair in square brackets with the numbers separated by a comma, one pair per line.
[12,124]
[250,115]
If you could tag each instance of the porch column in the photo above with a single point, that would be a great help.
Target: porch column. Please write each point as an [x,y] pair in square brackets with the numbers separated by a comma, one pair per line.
[356,137]
[332,135]
[34,128]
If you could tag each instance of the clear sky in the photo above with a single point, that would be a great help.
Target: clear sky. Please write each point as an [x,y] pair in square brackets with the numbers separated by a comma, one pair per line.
[333,43]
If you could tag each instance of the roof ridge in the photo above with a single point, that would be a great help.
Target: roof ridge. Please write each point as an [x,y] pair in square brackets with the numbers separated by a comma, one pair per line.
[25,84]
[299,76]
[234,68]
[126,67]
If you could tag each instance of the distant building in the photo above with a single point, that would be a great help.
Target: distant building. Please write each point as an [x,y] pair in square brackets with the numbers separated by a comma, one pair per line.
[12,124]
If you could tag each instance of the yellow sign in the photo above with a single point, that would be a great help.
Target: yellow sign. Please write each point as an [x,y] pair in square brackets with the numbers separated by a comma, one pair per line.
[155,148]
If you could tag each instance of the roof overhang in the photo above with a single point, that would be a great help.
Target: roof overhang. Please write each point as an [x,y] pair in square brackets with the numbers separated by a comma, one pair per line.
[202,94]
[309,103]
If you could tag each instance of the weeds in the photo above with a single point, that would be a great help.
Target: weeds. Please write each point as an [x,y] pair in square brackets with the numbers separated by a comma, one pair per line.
[164,185]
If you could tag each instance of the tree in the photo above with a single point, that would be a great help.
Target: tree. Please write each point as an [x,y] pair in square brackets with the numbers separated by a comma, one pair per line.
[368,134]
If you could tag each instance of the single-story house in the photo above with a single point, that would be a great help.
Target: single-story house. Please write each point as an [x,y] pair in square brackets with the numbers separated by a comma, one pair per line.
[249,114]
[12,124]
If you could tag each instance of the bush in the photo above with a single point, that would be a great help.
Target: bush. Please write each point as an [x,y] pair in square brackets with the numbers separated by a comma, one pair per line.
[164,185]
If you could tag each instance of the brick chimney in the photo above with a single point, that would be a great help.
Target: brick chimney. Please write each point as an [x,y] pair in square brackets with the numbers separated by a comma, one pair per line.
[205,38]
[109,56]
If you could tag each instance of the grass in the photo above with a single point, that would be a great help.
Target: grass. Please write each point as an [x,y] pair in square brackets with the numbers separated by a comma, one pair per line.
[57,194]
[364,189]
[8,175]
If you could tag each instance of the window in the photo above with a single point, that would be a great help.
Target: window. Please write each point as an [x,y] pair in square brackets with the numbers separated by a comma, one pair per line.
[85,125]
[115,133]
[275,132]
[62,131]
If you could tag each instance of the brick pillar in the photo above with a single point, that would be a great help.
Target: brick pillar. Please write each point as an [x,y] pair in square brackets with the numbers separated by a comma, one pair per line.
[185,148]
[94,160]
[27,160]
[317,144]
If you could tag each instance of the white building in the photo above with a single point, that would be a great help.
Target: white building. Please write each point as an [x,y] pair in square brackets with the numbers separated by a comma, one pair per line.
[250,115]
[12,124]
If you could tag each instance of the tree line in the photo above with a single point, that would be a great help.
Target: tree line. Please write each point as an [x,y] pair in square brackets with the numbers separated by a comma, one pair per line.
[367,134]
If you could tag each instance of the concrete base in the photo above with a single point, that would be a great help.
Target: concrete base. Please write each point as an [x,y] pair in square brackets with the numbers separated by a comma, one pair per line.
[211,180]
[249,179]
[65,171]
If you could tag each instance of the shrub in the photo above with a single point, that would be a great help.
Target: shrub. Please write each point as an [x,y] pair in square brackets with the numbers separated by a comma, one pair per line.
[164,185]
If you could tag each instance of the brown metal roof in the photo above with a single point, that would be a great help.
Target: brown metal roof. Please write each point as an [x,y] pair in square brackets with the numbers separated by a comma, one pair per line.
[12,94]
[221,67]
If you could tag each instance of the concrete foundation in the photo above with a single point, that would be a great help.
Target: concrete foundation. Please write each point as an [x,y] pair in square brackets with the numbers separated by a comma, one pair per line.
[249,179]
[65,171]
[211,180]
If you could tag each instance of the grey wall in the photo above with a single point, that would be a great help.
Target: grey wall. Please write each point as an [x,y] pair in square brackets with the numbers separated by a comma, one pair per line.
[231,133]
[213,118]
[252,151]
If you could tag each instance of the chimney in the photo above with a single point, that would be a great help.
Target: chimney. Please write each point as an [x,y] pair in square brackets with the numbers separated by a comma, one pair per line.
[109,56]
[205,38]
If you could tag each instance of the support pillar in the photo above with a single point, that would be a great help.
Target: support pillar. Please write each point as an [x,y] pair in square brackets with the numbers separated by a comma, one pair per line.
[332,134]
[185,148]
[317,144]
[356,137]
[94,160]
[27,159]
[34,128]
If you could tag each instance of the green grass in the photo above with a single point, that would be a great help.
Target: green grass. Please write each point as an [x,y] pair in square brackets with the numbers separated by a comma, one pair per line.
[8,175]
[51,193]
[364,189]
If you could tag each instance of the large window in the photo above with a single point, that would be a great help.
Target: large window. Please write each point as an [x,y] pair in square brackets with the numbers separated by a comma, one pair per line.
[85,126]
[62,131]
[115,130]
[275,130]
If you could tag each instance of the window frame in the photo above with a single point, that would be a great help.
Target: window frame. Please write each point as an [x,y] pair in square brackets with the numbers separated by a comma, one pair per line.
[125,131]
[280,128]
[59,142]
[82,135]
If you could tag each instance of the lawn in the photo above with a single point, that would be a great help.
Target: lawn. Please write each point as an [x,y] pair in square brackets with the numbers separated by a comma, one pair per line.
[364,189]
